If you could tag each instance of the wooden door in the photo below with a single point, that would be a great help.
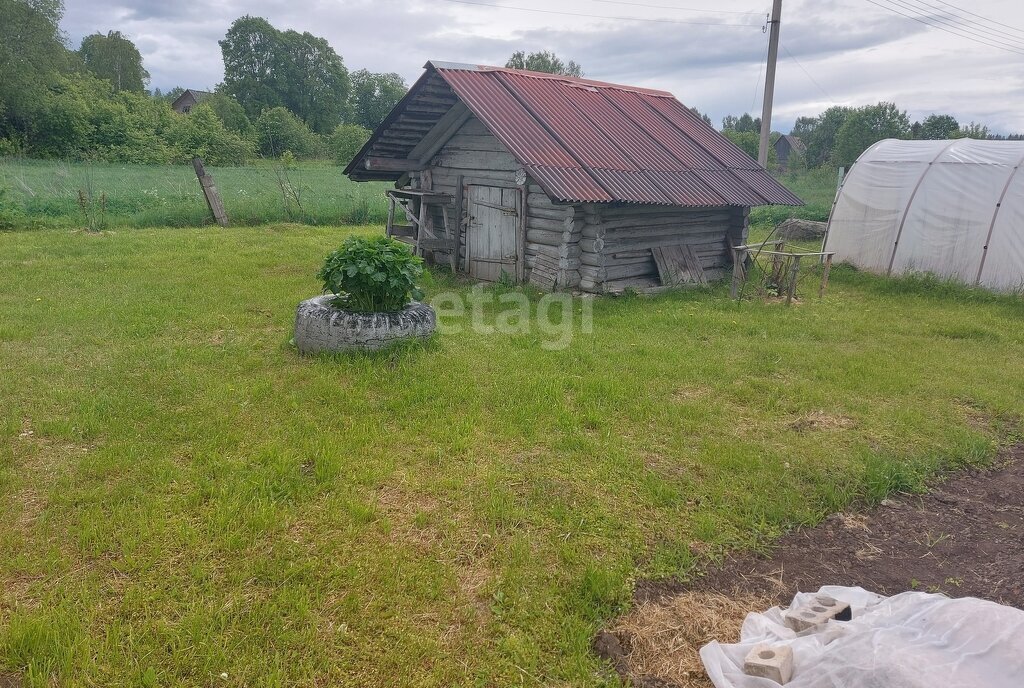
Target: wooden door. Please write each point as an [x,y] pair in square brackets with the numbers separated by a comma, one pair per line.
[492,242]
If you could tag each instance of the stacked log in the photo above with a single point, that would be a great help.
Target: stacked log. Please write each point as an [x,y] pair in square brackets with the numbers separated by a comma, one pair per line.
[552,242]
[616,242]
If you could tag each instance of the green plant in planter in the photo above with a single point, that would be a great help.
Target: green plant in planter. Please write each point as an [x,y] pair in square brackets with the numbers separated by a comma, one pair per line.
[372,275]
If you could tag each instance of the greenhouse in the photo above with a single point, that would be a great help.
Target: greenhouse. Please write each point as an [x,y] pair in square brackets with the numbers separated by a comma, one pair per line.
[954,209]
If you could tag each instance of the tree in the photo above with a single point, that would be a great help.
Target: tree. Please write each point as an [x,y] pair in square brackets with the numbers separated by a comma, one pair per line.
[935,128]
[373,96]
[749,142]
[742,124]
[346,141]
[202,134]
[313,80]
[703,116]
[971,131]
[250,51]
[265,68]
[32,55]
[278,130]
[230,113]
[116,59]
[171,95]
[819,133]
[868,125]
[544,61]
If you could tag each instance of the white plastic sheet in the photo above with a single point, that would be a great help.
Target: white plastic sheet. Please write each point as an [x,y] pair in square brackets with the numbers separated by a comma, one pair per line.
[910,640]
[950,208]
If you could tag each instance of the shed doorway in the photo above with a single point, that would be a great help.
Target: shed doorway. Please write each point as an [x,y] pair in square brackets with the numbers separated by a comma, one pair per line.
[492,242]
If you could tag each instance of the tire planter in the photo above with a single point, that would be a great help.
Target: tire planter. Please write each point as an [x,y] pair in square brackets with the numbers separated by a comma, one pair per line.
[321,326]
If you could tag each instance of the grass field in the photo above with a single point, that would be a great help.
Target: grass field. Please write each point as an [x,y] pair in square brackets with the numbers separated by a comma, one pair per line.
[816,188]
[188,502]
[40,193]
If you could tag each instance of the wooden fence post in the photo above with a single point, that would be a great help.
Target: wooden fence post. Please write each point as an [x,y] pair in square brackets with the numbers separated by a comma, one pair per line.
[739,258]
[213,201]
[824,275]
[793,274]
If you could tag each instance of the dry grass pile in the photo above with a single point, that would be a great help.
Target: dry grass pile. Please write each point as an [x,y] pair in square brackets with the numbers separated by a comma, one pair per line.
[662,640]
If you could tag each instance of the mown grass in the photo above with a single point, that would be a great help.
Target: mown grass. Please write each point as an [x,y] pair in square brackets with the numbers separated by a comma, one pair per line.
[42,193]
[188,502]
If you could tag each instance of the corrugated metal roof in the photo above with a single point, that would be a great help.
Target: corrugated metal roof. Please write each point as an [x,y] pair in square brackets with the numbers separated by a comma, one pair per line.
[589,141]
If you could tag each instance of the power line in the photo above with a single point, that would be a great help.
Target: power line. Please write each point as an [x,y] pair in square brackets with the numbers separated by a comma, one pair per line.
[943,28]
[808,74]
[947,25]
[950,20]
[760,69]
[991,21]
[1016,37]
[674,7]
[598,16]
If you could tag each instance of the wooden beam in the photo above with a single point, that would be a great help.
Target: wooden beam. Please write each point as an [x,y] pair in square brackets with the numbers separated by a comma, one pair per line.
[213,201]
[391,165]
[439,135]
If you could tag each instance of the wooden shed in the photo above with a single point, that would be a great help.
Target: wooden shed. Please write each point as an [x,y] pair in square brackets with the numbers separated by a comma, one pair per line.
[787,145]
[188,99]
[561,182]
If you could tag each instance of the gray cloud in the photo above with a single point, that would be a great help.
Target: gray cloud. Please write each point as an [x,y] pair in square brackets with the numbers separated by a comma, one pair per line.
[855,53]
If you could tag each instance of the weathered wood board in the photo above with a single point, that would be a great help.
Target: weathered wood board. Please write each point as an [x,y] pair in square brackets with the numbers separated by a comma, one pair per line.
[678,265]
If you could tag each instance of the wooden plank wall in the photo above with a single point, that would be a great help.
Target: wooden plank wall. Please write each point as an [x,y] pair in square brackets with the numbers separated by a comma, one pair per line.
[471,156]
[617,240]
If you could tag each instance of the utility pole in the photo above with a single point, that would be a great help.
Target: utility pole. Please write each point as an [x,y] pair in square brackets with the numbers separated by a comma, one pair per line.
[769,82]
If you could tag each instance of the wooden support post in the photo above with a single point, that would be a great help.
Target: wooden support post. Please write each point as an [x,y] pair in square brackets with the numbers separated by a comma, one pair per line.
[458,222]
[421,224]
[777,265]
[391,215]
[452,235]
[739,259]
[824,276]
[794,272]
[213,201]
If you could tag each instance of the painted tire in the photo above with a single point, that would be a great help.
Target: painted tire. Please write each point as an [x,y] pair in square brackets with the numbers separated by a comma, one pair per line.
[320,326]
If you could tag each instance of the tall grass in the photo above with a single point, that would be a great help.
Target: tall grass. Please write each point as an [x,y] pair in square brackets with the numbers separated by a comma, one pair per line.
[816,188]
[38,194]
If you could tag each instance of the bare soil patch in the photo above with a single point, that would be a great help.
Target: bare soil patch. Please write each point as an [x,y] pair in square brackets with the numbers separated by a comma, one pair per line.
[965,538]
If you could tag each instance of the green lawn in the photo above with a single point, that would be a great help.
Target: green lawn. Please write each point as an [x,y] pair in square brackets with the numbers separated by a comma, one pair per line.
[188,502]
[45,193]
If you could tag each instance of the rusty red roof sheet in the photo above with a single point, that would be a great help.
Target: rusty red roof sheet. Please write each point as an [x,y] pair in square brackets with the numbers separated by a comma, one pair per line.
[590,141]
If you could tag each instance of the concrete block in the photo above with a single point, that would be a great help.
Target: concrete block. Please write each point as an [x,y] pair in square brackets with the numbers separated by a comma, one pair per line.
[774,662]
[821,609]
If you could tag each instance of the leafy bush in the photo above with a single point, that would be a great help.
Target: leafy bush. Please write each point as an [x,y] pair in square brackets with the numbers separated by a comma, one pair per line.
[346,141]
[231,113]
[372,275]
[9,147]
[278,130]
[201,133]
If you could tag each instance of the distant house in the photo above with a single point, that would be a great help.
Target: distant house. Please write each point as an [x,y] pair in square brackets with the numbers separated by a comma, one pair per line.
[561,182]
[785,146]
[187,100]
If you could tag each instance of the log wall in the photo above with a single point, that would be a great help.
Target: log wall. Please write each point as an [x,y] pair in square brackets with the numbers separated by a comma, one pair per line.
[616,242]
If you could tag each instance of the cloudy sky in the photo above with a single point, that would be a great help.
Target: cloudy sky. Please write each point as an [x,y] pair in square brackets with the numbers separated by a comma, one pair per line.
[709,53]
